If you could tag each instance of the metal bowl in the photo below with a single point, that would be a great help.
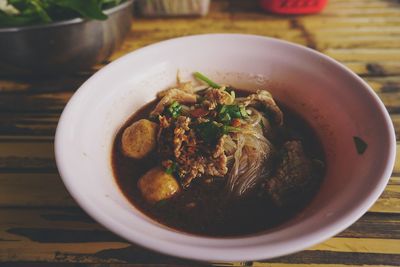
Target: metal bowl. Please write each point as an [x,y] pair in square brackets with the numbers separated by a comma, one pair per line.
[64,46]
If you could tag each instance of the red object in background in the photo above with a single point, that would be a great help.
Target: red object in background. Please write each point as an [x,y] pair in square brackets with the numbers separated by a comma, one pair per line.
[293,6]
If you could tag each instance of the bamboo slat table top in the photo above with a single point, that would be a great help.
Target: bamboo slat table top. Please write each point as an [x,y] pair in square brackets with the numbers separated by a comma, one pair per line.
[41,225]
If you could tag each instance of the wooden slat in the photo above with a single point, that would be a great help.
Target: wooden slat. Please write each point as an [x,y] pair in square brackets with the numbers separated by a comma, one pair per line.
[50,102]
[396,123]
[360,245]
[390,100]
[33,190]
[362,54]
[148,32]
[29,85]
[362,12]
[27,156]
[256,264]
[36,124]
[320,22]
[341,32]
[339,5]
[68,235]
[91,252]
[370,41]
[337,258]
[40,223]
[384,68]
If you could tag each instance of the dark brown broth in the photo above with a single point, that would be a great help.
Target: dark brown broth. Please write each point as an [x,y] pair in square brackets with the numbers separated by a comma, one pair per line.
[213,214]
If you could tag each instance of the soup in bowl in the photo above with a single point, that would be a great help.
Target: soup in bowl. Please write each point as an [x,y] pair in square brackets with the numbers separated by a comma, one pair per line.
[283,147]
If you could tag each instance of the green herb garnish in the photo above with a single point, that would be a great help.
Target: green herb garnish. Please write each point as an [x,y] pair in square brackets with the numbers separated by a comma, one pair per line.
[175,109]
[229,112]
[211,131]
[360,145]
[243,112]
[228,129]
[171,169]
[203,78]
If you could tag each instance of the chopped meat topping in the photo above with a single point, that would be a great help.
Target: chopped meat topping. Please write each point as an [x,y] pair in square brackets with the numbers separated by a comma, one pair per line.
[193,158]
[164,121]
[264,98]
[215,97]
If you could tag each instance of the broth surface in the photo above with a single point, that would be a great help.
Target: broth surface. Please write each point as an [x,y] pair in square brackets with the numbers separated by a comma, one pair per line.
[201,209]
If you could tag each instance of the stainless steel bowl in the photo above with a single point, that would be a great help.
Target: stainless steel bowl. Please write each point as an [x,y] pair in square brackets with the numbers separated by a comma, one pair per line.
[65,46]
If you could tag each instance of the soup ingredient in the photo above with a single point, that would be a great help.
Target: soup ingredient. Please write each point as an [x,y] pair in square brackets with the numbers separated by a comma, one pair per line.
[139,139]
[226,162]
[360,144]
[28,12]
[179,142]
[157,185]
[252,158]
[203,78]
[263,100]
[168,97]
[295,176]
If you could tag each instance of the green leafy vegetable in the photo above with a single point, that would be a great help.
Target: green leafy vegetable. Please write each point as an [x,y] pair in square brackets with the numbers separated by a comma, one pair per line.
[175,109]
[171,169]
[229,112]
[243,112]
[228,129]
[203,78]
[211,131]
[40,10]
[28,12]
[360,145]
[86,8]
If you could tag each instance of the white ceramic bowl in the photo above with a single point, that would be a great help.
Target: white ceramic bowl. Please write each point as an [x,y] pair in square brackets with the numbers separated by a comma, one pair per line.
[337,103]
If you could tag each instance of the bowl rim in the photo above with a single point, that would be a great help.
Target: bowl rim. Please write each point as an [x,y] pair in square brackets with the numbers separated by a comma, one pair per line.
[247,252]
[67,22]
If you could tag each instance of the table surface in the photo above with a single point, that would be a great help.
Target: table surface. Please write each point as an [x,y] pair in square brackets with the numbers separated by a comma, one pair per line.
[40,224]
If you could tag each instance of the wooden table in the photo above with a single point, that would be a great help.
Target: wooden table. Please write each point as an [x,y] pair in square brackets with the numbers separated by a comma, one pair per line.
[40,224]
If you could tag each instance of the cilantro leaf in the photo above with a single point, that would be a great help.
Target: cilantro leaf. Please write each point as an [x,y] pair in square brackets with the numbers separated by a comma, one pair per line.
[211,131]
[171,169]
[229,112]
[175,109]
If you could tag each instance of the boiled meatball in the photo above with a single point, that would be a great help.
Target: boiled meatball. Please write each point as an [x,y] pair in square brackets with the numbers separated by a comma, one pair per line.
[157,185]
[139,139]
[296,176]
